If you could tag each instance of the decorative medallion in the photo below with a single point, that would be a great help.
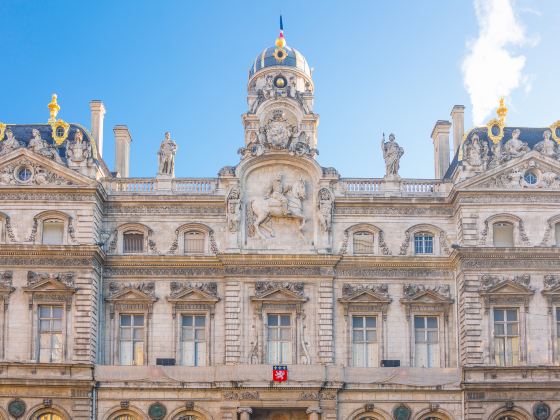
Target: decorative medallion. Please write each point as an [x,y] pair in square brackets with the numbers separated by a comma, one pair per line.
[402,412]
[16,408]
[157,411]
[495,130]
[60,131]
[541,411]
[280,82]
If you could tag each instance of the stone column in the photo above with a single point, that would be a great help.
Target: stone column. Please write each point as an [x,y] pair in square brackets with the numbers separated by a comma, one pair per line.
[245,413]
[314,413]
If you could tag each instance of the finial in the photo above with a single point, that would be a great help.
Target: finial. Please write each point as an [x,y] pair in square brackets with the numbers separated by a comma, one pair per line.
[502,111]
[54,107]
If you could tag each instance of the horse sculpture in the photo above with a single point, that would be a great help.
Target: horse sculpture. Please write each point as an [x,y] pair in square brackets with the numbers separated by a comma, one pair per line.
[265,208]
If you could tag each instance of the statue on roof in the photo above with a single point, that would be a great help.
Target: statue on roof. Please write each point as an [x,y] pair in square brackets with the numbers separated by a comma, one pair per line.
[392,154]
[78,150]
[514,147]
[475,152]
[166,156]
[40,146]
[547,146]
[9,144]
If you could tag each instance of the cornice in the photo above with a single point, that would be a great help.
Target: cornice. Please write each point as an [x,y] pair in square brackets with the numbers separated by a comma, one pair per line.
[285,260]
[389,261]
[492,253]
[53,253]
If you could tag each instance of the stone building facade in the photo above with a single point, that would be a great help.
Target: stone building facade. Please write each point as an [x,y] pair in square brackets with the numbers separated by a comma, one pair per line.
[169,298]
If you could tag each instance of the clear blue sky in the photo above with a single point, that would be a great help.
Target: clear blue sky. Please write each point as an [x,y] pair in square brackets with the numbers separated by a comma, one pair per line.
[380,66]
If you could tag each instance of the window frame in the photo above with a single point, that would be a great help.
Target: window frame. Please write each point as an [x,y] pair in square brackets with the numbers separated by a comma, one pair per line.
[363,233]
[378,337]
[279,327]
[207,335]
[424,235]
[440,240]
[131,231]
[505,336]
[132,328]
[54,220]
[503,224]
[204,238]
[38,338]
[36,236]
[426,330]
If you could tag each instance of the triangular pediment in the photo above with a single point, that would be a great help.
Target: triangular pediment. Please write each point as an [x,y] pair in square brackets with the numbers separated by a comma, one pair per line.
[365,296]
[510,174]
[508,287]
[279,295]
[131,294]
[191,294]
[552,291]
[49,285]
[427,297]
[42,171]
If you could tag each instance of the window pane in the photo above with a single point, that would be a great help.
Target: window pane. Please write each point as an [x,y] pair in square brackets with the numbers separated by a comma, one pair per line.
[187,356]
[57,325]
[421,355]
[499,349]
[201,354]
[194,242]
[423,243]
[133,242]
[286,353]
[357,336]
[432,322]
[498,314]
[272,320]
[512,329]
[285,320]
[512,314]
[371,335]
[45,311]
[419,322]
[138,333]
[503,234]
[358,355]
[45,325]
[126,353]
[357,322]
[139,353]
[200,334]
[200,321]
[433,336]
[433,355]
[363,243]
[138,320]
[286,333]
[499,329]
[57,312]
[187,320]
[371,322]
[188,334]
[557,234]
[125,320]
[53,232]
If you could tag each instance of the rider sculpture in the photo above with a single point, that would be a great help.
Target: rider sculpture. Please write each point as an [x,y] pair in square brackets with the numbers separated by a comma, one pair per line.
[277,192]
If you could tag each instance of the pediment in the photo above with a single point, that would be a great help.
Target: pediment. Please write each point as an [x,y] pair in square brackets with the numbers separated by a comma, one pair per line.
[131,294]
[365,296]
[510,175]
[50,285]
[427,297]
[42,171]
[552,291]
[508,287]
[279,295]
[192,294]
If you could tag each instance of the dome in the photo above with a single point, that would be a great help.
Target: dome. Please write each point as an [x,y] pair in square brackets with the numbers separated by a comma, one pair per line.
[267,58]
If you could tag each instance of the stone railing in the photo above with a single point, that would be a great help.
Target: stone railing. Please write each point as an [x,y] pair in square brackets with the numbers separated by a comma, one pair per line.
[155,185]
[129,185]
[361,185]
[402,186]
[195,185]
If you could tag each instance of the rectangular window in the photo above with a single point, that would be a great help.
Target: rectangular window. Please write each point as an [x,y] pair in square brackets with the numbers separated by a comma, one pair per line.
[426,341]
[423,243]
[194,242]
[363,243]
[279,339]
[53,232]
[364,341]
[50,334]
[131,336]
[193,340]
[506,336]
[133,243]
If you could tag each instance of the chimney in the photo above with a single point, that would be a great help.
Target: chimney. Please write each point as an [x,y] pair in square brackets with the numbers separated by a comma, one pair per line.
[122,149]
[97,114]
[458,118]
[440,136]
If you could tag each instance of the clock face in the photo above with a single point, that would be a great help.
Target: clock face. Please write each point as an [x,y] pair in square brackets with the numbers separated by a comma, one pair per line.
[280,82]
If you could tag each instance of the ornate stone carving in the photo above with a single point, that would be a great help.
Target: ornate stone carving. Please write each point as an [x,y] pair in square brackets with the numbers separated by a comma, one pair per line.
[233,210]
[227,171]
[514,147]
[551,281]
[78,150]
[489,281]
[547,146]
[280,202]
[368,209]
[353,289]
[148,288]
[325,206]
[41,147]
[177,288]
[443,242]
[264,287]
[9,144]
[166,156]
[410,290]
[475,154]
[392,154]
[38,175]
[65,278]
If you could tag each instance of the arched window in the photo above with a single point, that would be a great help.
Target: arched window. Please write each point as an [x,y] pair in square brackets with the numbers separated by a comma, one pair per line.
[503,234]
[49,416]
[557,234]
[53,232]
[423,243]
[133,242]
[125,417]
[195,242]
[363,243]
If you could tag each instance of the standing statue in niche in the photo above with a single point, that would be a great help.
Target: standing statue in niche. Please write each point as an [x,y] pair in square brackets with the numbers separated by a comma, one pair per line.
[166,156]
[325,205]
[392,154]
[547,146]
